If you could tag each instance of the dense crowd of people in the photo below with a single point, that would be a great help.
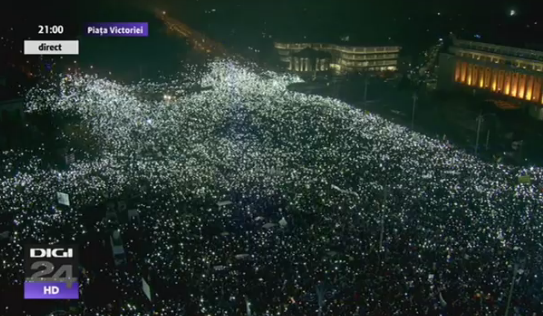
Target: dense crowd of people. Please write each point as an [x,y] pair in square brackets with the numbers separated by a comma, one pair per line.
[255,200]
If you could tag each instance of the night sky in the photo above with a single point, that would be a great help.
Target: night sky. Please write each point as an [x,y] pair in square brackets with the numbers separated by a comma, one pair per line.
[414,25]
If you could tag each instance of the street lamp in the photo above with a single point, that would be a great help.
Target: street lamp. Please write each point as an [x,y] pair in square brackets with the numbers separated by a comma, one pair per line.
[366,89]
[480,119]
[518,269]
[415,98]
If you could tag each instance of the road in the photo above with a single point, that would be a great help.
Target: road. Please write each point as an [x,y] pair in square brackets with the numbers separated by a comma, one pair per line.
[199,41]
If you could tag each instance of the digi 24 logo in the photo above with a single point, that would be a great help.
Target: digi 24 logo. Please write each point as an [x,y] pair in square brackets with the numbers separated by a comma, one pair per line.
[51,272]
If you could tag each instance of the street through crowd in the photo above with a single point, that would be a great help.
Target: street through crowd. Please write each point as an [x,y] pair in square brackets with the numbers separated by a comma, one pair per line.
[256,200]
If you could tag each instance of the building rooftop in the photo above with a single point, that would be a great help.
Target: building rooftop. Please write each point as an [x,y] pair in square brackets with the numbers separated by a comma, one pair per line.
[491,47]
[525,36]
[346,41]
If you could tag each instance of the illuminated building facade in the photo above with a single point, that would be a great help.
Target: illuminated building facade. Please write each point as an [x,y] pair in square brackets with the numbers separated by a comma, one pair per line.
[512,73]
[309,59]
[343,59]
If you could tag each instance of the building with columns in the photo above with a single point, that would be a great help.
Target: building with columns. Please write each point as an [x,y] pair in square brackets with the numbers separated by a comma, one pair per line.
[513,74]
[338,58]
[309,59]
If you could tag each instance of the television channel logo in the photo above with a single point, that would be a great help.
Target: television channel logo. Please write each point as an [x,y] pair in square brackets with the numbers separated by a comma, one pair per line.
[51,272]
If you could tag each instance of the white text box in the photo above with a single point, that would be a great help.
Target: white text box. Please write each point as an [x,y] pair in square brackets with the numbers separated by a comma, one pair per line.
[51,47]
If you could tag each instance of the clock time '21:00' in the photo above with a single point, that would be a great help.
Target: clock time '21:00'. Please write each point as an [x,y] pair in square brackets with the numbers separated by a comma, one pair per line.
[50,29]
